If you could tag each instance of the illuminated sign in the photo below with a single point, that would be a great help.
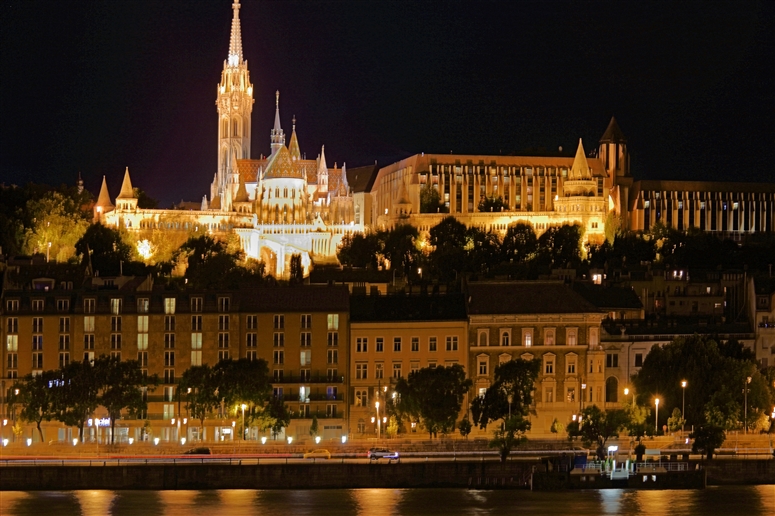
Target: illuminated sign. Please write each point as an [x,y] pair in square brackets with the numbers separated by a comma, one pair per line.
[100,421]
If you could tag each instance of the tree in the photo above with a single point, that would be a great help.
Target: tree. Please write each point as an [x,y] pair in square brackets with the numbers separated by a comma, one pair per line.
[560,246]
[401,248]
[297,271]
[676,421]
[510,435]
[243,381]
[57,225]
[279,412]
[510,393]
[123,386]
[597,426]
[430,200]
[491,204]
[209,263]
[519,243]
[433,396]
[78,396]
[707,439]
[145,201]
[465,427]
[104,248]
[313,428]
[199,383]
[449,239]
[37,398]
[483,250]
[359,250]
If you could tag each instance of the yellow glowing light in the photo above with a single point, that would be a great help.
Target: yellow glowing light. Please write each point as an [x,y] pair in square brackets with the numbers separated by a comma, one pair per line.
[145,249]
[250,90]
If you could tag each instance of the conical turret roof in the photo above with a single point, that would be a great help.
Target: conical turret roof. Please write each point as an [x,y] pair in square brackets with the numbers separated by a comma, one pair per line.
[127,192]
[580,168]
[613,134]
[103,199]
[293,147]
[242,192]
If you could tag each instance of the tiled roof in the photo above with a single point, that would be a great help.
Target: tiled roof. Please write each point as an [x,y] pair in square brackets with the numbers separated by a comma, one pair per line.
[361,179]
[609,297]
[294,299]
[533,297]
[447,307]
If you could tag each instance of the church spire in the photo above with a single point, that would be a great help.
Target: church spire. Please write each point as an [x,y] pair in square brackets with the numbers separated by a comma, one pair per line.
[580,168]
[235,43]
[293,146]
[277,136]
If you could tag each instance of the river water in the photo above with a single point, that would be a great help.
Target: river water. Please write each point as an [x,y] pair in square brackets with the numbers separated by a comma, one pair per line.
[726,500]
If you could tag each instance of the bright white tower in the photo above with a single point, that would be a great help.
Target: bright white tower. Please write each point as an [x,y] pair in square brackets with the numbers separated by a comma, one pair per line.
[235,105]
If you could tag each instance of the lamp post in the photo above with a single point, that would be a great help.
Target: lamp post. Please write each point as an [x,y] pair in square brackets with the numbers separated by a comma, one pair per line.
[683,404]
[179,415]
[581,397]
[379,422]
[656,417]
[627,393]
[745,416]
[243,407]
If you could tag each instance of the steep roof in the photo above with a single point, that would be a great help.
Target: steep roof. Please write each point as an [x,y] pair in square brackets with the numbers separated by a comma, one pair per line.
[293,147]
[103,199]
[609,297]
[529,297]
[126,187]
[281,165]
[447,307]
[361,179]
[580,168]
[613,134]
[295,299]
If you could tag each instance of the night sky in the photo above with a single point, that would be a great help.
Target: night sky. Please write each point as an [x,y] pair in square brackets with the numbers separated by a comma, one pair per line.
[95,86]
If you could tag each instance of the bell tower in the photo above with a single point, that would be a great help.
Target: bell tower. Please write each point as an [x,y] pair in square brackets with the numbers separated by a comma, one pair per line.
[234,101]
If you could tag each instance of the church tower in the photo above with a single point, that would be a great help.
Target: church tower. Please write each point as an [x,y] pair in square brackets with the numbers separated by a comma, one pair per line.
[234,102]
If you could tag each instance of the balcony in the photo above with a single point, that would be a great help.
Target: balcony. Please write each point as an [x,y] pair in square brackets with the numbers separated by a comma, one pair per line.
[308,379]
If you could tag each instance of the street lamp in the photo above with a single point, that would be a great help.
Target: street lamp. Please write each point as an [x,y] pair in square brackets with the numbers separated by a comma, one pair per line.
[379,429]
[581,396]
[745,416]
[683,404]
[243,407]
[656,417]
[627,393]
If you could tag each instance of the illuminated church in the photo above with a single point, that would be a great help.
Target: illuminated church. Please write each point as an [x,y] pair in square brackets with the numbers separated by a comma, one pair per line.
[279,205]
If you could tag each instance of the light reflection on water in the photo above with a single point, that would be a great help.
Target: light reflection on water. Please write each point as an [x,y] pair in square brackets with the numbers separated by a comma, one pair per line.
[727,501]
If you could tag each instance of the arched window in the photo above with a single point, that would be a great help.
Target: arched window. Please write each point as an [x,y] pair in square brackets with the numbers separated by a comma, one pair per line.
[611,390]
[482,338]
[225,129]
[235,128]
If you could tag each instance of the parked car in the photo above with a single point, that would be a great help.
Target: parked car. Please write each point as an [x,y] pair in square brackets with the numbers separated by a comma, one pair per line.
[317,454]
[198,451]
[383,453]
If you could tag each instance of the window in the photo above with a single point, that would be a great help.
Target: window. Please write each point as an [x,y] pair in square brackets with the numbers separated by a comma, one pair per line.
[37,324]
[250,355]
[278,357]
[88,324]
[88,341]
[142,357]
[415,344]
[305,358]
[362,345]
[223,340]
[483,337]
[12,305]
[571,394]
[223,323]
[432,344]
[571,334]
[63,305]
[277,374]
[169,377]
[196,341]
[224,304]
[37,360]
[414,366]
[397,344]
[115,341]
[570,364]
[361,371]
[549,337]
[251,322]
[169,323]
[196,323]
[13,362]
[333,338]
[89,305]
[142,323]
[379,371]
[88,356]
[169,341]
[306,321]
[196,304]
[612,360]
[223,355]
[505,337]
[64,325]
[527,337]
[169,359]
[64,342]
[638,359]
[593,337]
[169,305]
[380,344]
[549,364]
[330,410]
[361,398]
[452,343]
[305,375]
[115,306]
[251,340]
[142,305]
[278,339]
[12,343]
[115,323]
[548,394]
[13,325]
[305,339]
[333,321]
[279,322]
[37,305]
[333,356]
[397,370]
[37,342]
[483,366]
[333,374]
